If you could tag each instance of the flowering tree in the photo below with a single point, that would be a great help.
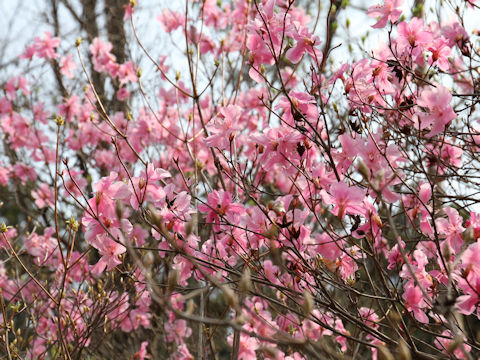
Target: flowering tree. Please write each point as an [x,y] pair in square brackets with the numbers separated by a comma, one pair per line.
[270,200]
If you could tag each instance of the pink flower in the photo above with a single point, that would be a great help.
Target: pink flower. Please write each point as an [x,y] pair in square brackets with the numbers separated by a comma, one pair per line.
[303,102]
[67,65]
[385,12]
[103,59]
[69,108]
[395,256]
[327,247]
[29,52]
[10,88]
[171,20]
[348,265]
[471,259]
[412,34]
[451,228]
[272,272]
[437,110]
[142,353]
[42,247]
[123,94]
[468,303]
[107,190]
[220,205]
[45,47]
[440,53]
[127,73]
[4,175]
[109,250]
[347,199]
[278,144]
[415,302]
[455,35]
[43,196]
[22,84]
[140,317]
[24,173]
[225,127]
[369,317]
[145,187]
[306,42]
[446,341]
[177,331]
[247,347]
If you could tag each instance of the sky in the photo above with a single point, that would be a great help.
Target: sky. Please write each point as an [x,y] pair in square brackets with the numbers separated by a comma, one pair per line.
[26,19]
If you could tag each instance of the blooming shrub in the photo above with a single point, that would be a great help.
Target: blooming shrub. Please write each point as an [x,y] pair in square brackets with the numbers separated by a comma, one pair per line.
[274,201]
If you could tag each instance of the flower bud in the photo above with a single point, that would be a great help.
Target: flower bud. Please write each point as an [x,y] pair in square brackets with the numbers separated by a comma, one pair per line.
[307,303]
[403,351]
[384,353]
[148,259]
[190,307]
[468,235]
[245,284]
[230,297]
[173,277]
[363,169]
[4,228]
[59,120]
